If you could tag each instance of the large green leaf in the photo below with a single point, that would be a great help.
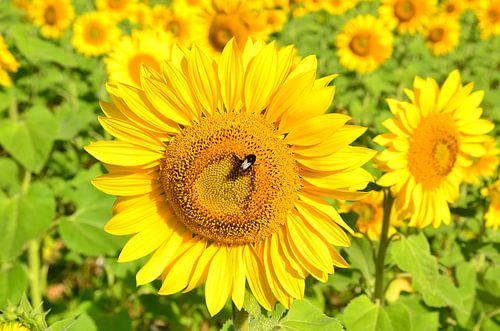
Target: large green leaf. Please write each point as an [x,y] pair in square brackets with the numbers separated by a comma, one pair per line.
[364,315]
[466,277]
[13,283]
[24,217]
[9,175]
[29,140]
[410,315]
[304,316]
[361,257]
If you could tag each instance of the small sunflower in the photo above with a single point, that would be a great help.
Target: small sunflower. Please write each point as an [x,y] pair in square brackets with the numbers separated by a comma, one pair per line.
[52,16]
[8,64]
[276,19]
[141,15]
[219,21]
[408,16]
[338,7]
[177,21]
[486,165]
[142,47]
[94,33]
[370,215]
[219,165]
[119,9]
[364,44]
[488,14]
[452,8]
[442,35]
[492,216]
[431,142]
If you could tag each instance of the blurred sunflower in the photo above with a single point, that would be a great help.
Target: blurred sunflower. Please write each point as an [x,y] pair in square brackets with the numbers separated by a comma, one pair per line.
[119,9]
[219,21]
[52,16]
[486,165]
[177,21]
[452,8]
[370,215]
[364,44]
[141,15]
[408,16]
[13,326]
[431,142]
[338,7]
[219,165]
[442,35]
[276,19]
[488,14]
[492,216]
[8,64]
[94,33]
[124,61]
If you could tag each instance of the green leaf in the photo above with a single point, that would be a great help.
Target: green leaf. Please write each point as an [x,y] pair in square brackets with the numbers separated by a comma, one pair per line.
[13,283]
[24,218]
[84,323]
[30,140]
[9,176]
[37,50]
[83,231]
[63,325]
[361,257]
[363,315]
[72,120]
[466,277]
[304,316]
[410,315]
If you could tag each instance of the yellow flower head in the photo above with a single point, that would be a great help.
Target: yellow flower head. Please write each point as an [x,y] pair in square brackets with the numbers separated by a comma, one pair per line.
[218,167]
[219,21]
[488,14]
[118,9]
[141,15]
[431,142]
[486,165]
[143,47]
[52,16]
[13,326]
[94,33]
[409,16]
[492,216]
[442,35]
[452,8]
[333,7]
[177,21]
[8,63]
[364,44]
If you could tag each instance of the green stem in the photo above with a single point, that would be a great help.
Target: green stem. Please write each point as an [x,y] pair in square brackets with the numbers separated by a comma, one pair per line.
[384,243]
[241,319]
[34,272]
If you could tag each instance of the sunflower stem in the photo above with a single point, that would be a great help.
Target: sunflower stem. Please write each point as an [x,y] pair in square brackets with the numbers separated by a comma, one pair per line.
[34,272]
[241,319]
[384,243]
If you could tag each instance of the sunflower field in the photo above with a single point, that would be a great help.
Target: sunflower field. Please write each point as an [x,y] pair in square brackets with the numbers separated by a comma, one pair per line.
[249,165]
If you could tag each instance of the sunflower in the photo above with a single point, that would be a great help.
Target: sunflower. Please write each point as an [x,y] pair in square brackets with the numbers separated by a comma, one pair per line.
[486,165]
[488,14]
[177,21]
[452,8]
[431,142]
[370,215]
[140,15]
[409,16]
[119,9]
[94,33]
[492,216]
[13,326]
[338,7]
[364,44]
[52,16]
[142,47]
[219,21]
[219,167]
[8,63]
[442,35]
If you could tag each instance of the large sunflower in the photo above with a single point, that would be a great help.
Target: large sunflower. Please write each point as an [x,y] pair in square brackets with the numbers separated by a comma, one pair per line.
[409,16]
[488,14]
[364,44]
[94,33]
[8,63]
[142,47]
[219,166]
[432,140]
[442,35]
[52,16]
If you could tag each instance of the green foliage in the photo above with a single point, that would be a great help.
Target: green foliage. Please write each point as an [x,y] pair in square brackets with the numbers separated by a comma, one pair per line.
[363,314]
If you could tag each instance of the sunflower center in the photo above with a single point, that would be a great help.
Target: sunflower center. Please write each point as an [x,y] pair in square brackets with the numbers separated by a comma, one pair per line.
[404,10]
[94,34]
[134,65]
[493,15]
[230,179]
[117,4]
[223,28]
[360,44]
[174,27]
[433,150]
[436,35]
[50,15]
[449,8]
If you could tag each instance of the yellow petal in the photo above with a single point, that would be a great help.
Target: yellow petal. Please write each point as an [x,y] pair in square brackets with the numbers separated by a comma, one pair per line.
[477,127]
[129,133]
[125,184]
[203,80]
[181,92]
[257,279]
[144,242]
[123,153]
[239,278]
[274,284]
[449,88]
[357,179]
[110,110]
[231,73]
[348,158]
[219,281]
[315,130]
[201,269]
